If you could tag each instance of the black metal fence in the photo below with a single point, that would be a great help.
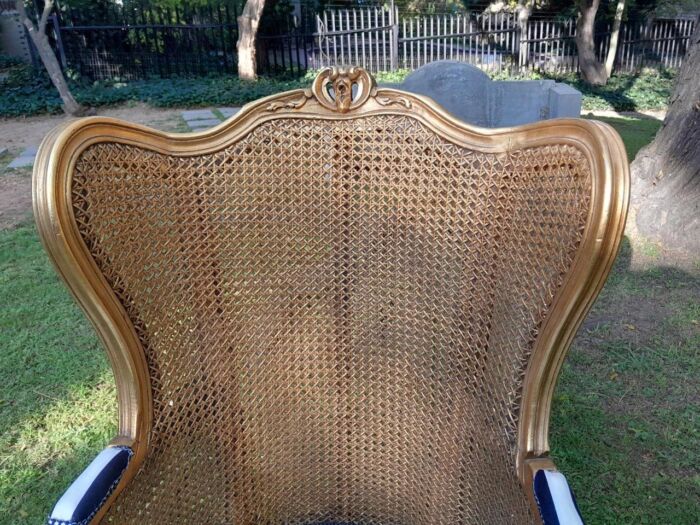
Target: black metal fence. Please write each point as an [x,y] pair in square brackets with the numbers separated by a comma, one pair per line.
[138,40]
[145,41]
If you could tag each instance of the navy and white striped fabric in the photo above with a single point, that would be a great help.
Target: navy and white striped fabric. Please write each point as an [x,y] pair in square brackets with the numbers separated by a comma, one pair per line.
[555,500]
[91,489]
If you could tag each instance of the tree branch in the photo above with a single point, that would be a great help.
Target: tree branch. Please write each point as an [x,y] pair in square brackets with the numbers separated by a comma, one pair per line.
[48,7]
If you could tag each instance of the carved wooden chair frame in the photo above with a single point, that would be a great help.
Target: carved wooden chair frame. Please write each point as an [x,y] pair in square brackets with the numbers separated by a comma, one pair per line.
[335,94]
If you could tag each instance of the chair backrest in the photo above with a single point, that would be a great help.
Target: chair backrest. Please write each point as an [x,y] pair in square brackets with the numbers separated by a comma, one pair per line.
[341,305]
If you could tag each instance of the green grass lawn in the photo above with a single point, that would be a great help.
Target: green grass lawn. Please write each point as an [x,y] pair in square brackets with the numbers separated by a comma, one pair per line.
[625,421]
[635,132]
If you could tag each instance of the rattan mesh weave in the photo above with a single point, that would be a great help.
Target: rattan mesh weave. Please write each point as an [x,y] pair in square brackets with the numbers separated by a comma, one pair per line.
[336,315]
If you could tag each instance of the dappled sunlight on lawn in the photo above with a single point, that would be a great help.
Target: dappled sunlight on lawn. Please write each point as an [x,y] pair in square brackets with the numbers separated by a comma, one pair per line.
[626,409]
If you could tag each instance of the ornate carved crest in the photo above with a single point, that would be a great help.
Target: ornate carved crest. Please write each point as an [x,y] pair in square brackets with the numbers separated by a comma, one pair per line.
[341,90]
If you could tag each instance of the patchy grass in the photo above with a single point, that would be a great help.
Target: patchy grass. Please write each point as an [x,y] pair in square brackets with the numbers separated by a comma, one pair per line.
[626,414]
[636,132]
[57,395]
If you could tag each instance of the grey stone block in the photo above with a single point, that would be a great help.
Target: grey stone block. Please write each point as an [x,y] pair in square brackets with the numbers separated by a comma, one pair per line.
[564,101]
[469,94]
[198,114]
[228,112]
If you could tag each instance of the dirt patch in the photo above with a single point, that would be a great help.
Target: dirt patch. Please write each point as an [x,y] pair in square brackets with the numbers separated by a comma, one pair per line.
[21,133]
[656,114]
[15,198]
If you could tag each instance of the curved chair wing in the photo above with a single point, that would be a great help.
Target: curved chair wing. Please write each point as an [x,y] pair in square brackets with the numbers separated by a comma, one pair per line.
[341,305]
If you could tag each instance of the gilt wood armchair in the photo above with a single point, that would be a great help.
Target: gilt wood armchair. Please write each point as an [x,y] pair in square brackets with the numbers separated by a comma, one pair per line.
[340,306]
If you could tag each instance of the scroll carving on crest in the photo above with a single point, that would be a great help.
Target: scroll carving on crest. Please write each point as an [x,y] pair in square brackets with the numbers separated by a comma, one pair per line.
[341,90]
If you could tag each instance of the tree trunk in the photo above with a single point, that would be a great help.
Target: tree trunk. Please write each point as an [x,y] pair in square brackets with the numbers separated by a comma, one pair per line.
[592,71]
[614,38]
[666,173]
[48,57]
[524,9]
[248,24]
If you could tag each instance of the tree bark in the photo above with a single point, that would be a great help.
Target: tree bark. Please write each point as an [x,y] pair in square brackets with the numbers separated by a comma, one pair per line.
[614,38]
[592,71]
[666,173]
[38,35]
[524,10]
[248,24]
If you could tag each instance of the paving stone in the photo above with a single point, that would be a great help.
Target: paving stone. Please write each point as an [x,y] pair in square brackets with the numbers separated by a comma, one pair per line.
[25,159]
[200,124]
[228,112]
[22,162]
[198,114]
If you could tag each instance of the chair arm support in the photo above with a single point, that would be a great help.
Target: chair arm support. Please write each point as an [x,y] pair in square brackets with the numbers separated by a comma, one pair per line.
[90,490]
[556,502]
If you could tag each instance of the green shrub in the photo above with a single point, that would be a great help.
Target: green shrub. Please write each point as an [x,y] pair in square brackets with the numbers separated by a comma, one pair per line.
[26,92]
[7,62]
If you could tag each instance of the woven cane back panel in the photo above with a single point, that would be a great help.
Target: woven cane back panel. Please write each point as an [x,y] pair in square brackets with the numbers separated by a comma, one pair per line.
[336,314]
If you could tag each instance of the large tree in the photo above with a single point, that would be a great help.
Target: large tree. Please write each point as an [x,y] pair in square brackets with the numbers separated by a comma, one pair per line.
[592,71]
[524,10]
[666,173]
[248,24]
[37,32]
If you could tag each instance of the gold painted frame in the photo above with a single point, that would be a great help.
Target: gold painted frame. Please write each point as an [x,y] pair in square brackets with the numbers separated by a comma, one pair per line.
[335,94]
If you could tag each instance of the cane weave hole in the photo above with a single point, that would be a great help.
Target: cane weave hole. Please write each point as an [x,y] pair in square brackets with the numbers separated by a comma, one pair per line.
[336,315]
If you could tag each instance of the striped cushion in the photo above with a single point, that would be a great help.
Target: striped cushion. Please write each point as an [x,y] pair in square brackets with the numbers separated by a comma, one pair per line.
[91,489]
[555,500]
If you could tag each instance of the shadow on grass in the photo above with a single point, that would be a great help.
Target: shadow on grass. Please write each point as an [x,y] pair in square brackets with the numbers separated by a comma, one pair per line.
[626,411]
[624,92]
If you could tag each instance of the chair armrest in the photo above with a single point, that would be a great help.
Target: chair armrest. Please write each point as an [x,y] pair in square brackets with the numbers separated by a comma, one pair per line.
[91,489]
[556,502]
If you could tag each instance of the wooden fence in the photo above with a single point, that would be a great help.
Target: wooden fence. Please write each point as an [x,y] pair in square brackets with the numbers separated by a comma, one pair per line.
[380,40]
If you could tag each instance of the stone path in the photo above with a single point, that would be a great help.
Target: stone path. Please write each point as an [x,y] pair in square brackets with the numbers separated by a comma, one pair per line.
[199,119]
[196,120]
[25,159]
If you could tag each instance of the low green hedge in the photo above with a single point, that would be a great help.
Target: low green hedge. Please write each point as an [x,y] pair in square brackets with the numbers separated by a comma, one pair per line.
[26,93]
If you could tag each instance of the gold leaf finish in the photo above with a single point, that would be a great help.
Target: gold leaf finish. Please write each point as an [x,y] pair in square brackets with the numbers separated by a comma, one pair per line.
[340,305]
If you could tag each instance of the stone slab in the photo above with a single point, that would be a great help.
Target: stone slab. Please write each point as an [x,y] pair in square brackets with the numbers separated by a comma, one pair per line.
[470,95]
[228,112]
[22,162]
[25,159]
[199,124]
[31,150]
[198,114]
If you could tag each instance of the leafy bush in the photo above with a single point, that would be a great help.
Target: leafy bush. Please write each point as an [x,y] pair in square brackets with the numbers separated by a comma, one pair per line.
[7,62]
[647,90]
[27,93]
